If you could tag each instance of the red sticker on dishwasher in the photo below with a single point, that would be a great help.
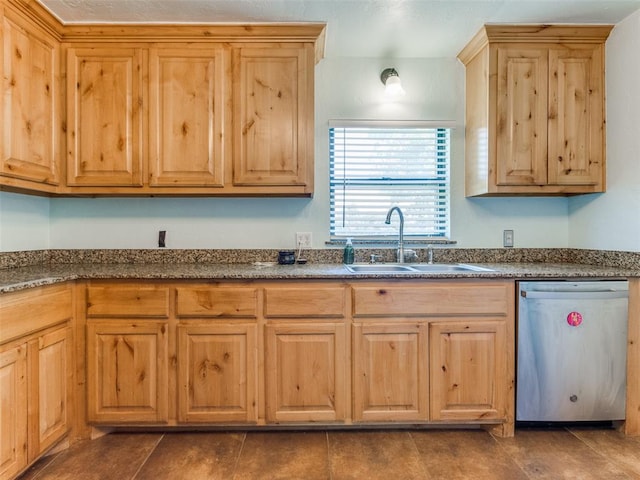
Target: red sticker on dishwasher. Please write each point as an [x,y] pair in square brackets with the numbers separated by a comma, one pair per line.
[574,319]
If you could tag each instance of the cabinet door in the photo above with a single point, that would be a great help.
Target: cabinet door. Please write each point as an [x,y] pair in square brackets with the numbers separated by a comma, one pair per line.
[576,116]
[52,369]
[273,116]
[187,141]
[390,372]
[104,121]
[521,116]
[127,372]
[29,103]
[305,372]
[13,414]
[469,379]
[217,373]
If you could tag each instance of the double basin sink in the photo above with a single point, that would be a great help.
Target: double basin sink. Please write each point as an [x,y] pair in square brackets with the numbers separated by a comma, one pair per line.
[374,268]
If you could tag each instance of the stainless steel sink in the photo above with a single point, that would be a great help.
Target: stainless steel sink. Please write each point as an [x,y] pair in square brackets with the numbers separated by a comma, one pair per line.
[379,268]
[415,268]
[448,267]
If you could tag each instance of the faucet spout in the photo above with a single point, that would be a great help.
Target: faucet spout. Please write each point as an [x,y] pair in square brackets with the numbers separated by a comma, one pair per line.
[400,251]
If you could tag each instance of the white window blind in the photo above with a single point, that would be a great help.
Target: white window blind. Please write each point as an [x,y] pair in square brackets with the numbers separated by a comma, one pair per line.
[373,168]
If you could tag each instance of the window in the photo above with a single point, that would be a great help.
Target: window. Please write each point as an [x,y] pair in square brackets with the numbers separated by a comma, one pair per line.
[374,167]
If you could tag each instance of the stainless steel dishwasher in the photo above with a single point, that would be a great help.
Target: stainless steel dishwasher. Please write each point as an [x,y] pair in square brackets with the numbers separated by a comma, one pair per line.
[572,343]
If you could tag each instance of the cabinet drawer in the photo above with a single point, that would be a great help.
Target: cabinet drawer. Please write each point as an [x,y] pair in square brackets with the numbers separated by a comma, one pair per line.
[482,298]
[34,309]
[217,302]
[305,302]
[128,301]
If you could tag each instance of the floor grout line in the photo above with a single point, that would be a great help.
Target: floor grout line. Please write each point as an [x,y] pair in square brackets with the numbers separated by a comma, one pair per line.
[235,465]
[607,459]
[508,455]
[147,457]
[415,447]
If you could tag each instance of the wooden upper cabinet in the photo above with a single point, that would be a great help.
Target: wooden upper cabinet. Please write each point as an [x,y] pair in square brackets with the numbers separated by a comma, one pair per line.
[535,112]
[187,114]
[158,109]
[273,117]
[521,139]
[29,104]
[576,115]
[104,118]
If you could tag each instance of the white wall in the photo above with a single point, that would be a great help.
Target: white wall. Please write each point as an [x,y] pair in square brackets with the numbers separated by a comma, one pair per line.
[346,88]
[611,221]
[24,222]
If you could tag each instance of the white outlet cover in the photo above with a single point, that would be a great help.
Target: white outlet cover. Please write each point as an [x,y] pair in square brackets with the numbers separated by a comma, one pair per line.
[303,239]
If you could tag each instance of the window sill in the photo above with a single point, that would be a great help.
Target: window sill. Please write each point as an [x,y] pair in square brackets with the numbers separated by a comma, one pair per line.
[408,242]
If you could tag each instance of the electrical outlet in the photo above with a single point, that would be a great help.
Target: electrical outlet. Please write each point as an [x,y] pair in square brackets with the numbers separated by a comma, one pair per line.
[507,238]
[303,239]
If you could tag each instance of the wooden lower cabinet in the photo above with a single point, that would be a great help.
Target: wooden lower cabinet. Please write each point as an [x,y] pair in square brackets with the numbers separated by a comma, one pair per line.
[435,351]
[469,375]
[14,413]
[390,372]
[35,382]
[277,351]
[50,370]
[127,371]
[36,374]
[305,374]
[217,373]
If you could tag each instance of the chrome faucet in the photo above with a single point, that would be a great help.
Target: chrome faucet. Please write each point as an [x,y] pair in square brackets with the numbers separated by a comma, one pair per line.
[400,252]
[430,254]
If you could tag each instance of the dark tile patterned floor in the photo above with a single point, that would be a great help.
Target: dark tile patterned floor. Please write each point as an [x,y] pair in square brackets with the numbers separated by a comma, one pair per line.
[576,453]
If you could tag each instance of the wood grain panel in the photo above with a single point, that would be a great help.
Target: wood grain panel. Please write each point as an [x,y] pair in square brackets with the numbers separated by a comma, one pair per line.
[217,373]
[187,143]
[104,120]
[127,372]
[128,301]
[216,302]
[30,104]
[13,414]
[305,373]
[311,302]
[632,423]
[390,372]
[576,120]
[521,133]
[54,374]
[412,299]
[466,370]
[273,116]
[34,309]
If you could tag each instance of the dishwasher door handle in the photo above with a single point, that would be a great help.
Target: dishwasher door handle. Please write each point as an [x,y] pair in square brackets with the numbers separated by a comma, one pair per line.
[570,295]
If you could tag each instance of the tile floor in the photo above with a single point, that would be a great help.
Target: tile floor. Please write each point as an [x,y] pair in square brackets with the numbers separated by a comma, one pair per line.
[576,453]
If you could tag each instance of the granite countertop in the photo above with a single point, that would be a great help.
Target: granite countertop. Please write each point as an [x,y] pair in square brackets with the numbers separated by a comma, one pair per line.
[14,279]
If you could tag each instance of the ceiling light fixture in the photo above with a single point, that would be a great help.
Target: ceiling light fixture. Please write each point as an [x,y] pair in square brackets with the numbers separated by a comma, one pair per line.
[391,81]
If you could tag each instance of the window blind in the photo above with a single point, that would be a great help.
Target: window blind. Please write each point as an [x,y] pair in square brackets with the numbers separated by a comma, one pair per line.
[375,168]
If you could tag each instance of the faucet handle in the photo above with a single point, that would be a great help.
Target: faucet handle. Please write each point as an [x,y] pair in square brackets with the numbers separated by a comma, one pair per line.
[373,258]
[429,254]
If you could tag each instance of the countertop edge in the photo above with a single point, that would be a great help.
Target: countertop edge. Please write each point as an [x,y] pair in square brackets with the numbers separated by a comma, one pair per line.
[22,278]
